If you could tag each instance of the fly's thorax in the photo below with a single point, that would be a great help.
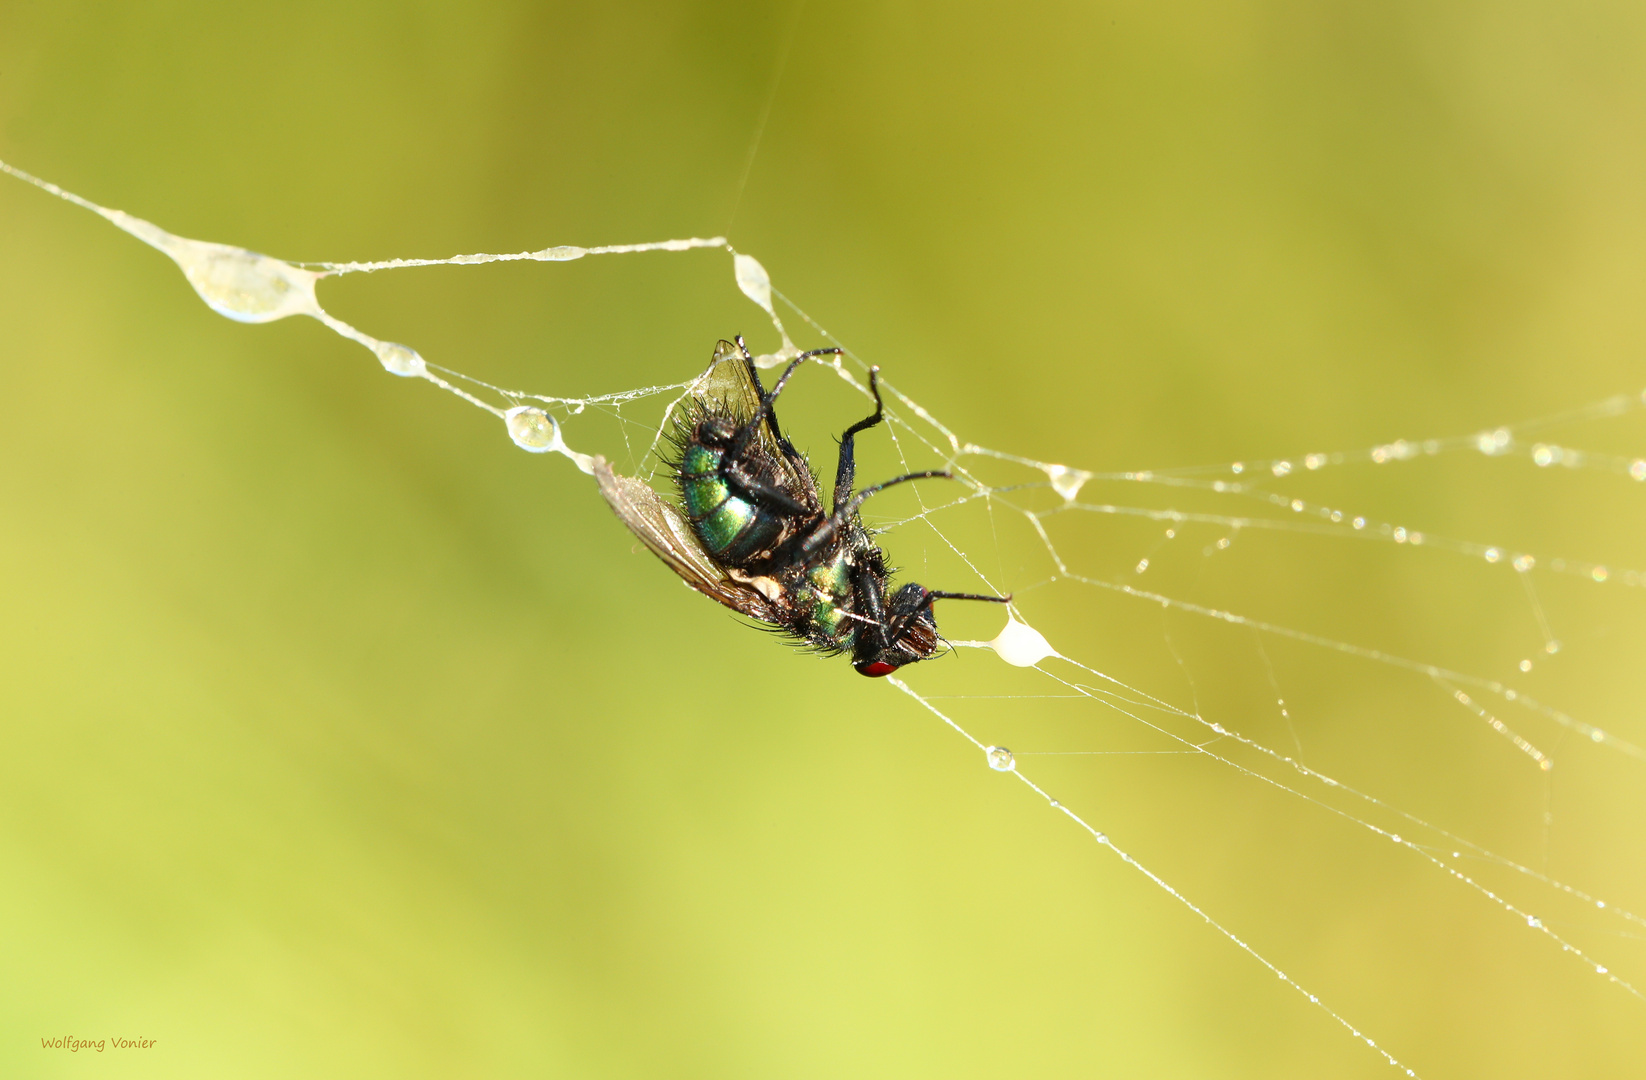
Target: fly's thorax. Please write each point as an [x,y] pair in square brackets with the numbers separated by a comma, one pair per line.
[824,595]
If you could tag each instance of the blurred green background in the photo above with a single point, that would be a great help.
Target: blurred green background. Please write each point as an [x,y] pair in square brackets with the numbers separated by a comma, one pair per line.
[340,738]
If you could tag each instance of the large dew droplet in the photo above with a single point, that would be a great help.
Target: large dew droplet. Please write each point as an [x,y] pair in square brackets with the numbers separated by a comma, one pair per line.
[532,429]
[1000,759]
[754,281]
[243,285]
[1021,645]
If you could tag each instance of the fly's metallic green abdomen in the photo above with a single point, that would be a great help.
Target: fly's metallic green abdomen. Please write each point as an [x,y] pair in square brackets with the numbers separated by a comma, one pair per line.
[731,528]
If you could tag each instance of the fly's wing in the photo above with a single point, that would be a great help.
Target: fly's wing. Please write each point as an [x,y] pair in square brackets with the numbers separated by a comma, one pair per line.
[731,386]
[663,529]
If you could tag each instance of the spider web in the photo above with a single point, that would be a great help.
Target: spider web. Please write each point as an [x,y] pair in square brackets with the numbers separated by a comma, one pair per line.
[1055,701]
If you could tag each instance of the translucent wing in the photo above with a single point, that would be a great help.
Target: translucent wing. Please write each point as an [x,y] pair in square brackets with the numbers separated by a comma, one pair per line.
[731,386]
[663,529]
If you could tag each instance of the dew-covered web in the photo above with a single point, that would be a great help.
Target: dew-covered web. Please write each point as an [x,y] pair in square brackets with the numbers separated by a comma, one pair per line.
[1074,547]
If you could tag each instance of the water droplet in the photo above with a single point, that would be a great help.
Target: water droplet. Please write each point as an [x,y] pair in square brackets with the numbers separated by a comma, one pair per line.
[1054,804]
[1281,468]
[1600,903]
[1600,969]
[1597,735]
[1337,515]
[1493,554]
[1551,647]
[1598,573]
[754,281]
[532,429]
[1237,468]
[1359,523]
[1525,665]
[1314,461]
[1223,543]
[1544,454]
[243,285]
[398,359]
[1396,838]
[1067,482]
[1297,505]
[1637,469]
[1415,538]
[1493,442]
[1400,535]
[1021,645]
[1524,563]
[1000,759]
[1102,838]
[1171,534]
[1380,454]
[1142,565]
[1534,922]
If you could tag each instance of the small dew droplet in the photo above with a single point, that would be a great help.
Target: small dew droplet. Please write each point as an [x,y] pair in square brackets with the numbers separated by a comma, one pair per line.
[1599,573]
[1281,468]
[1359,523]
[1534,922]
[1000,759]
[1396,838]
[1551,647]
[1600,969]
[1297,505]
[532,429]
[1524,563]
[1493,442]
[1142,565]
[1237,468]
[1525,665]
[1067,482]
[1637,469]
[398,359]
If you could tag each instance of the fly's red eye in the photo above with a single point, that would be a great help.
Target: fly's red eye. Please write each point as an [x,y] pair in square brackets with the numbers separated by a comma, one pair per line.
[876,668]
